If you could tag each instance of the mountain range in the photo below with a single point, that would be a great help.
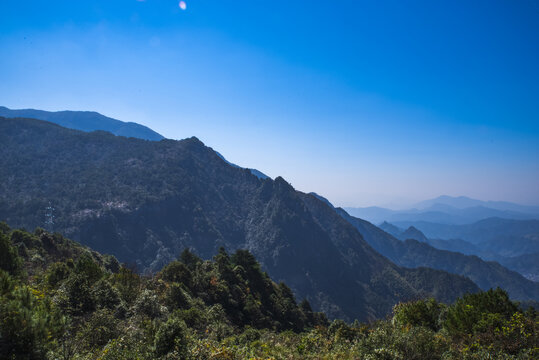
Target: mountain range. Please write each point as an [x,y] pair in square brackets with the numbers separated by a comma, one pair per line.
[146,201]
[448,210]
[85,121]
[512,243]
[415,252]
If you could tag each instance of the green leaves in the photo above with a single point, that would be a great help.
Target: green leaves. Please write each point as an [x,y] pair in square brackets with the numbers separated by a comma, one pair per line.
[228,309]
[9,259]
[29,322]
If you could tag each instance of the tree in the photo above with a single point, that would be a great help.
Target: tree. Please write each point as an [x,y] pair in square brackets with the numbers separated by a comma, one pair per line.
[9,259]
[171,337]
[465,316]
[418,313]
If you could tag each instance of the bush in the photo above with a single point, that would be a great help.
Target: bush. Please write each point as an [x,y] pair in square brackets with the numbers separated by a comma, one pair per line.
[147,304]
[418,313]
[56,273]
[28,324]
[87,267]
[128,284]
[9,259]
[176,297]
[177,272]
[466,314]
[101,327]
[79,295]
[105,295]
[171,337]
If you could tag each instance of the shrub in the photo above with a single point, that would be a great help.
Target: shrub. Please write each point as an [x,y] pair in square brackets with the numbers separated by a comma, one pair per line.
[147,304]
[171,337]
[9,259]
[56,273]
[418,313]
[105,295]
[101,327]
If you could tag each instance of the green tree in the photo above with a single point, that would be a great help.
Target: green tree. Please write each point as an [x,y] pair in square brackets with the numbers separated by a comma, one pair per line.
[9,259]
[29,323]
[171,338]
[418,313]
[465,316]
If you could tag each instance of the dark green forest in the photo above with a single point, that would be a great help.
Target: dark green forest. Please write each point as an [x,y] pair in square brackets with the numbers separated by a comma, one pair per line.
[60,300]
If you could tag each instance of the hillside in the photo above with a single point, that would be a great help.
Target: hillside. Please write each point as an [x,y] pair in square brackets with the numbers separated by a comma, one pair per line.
[145,202]
[60,300]
[85,121]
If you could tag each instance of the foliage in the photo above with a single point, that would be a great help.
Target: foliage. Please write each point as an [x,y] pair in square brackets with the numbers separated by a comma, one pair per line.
[227,308]
[9,259]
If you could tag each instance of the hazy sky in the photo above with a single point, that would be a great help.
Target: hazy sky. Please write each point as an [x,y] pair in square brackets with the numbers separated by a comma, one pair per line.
[364,102]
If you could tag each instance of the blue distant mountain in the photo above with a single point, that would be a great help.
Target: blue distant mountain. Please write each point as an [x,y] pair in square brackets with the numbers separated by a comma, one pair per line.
[512,243]
[86,121]
[448,210]
[463,202]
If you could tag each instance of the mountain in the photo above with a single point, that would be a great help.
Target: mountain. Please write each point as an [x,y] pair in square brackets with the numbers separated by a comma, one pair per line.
[413,233]
[527,264]
[144,202]
[438,213]
[495,231]
[463,202]
[390,228]
[257,173]
[514,252]
[412,253]
[86,121]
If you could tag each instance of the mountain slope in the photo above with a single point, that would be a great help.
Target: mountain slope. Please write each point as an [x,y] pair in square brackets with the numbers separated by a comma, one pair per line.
[255,172]
[528,265]
[412,253]
[86,121]
[145,202]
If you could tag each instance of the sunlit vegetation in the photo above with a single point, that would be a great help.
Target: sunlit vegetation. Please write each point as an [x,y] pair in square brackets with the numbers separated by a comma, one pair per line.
[59,300]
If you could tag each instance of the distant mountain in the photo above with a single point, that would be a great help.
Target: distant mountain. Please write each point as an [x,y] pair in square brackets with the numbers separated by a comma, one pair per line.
[391,229]
[440,213]
[145,202]
[513,247]
[413,233]
[86,121]
[527,264]
[413,254]
[463,202]
[496,231]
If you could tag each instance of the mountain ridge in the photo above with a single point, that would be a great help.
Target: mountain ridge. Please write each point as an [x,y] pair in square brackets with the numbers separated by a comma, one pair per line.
[146,201]
[85,121]
[413,253]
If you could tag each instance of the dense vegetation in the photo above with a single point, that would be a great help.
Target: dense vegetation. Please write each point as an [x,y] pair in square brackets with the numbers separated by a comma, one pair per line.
[146,201]
[59,300]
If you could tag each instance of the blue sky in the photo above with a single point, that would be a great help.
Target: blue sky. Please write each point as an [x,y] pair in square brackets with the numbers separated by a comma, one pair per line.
[365,102]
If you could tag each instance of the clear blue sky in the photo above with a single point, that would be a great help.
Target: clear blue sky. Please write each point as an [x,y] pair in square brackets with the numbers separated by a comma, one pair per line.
[365,102]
